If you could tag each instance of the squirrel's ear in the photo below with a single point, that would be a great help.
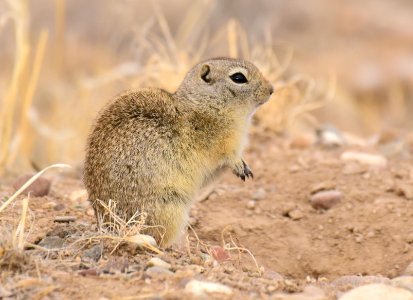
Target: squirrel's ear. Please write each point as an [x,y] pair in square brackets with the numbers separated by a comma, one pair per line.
[205,73]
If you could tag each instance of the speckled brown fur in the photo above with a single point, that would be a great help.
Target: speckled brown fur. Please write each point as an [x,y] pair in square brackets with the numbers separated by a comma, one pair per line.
[151,151]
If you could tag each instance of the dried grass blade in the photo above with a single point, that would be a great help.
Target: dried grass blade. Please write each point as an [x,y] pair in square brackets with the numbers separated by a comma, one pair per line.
[29,182]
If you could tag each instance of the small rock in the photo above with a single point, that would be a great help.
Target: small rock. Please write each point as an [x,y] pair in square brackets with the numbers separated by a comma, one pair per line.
[251,204]
[352,281]
[405,189]
[294,169]
[155,271]
[405,282]
[78,196]
[259,194]
[296,214]
[354,168]
[323,186]
[271,288]
[157,262]
[330,137]
[64,219]
[90,212]
[89,272]
[59,207]
[92,254]
[272,275]
[52,242]
[204,256]
[192,221]
[219,254]
[116,266]
[203,288]
[49,205]
[39,188]
[388,136]
[142,240]
[302,142]
[359,239]
[364,158]
[377,292]
[325,199]
[409,269]
[310,292]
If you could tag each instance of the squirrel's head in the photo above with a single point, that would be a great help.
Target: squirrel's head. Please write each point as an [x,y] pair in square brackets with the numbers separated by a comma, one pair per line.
[223,82]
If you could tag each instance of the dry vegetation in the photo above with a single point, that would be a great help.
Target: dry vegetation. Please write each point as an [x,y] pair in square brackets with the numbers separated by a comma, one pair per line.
[59,68]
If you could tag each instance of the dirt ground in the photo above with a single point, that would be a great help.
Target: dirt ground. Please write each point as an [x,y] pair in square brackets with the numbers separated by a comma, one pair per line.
[368,232]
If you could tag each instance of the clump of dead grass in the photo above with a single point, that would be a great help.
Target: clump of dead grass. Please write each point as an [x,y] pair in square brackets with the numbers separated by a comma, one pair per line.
[120,231]
[13,257]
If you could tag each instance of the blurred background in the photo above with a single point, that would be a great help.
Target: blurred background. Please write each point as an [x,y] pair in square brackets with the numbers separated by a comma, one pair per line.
[346,64]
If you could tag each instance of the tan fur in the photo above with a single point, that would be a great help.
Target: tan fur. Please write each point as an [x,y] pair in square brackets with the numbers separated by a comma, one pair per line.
[151,151]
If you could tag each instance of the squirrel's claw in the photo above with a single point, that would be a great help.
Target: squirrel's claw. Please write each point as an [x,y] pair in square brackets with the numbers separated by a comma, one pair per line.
[244,171]
[247,170]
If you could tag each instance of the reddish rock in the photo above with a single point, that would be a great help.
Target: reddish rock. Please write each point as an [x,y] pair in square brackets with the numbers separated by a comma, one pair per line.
[39,188]
[325,199]
[219,254]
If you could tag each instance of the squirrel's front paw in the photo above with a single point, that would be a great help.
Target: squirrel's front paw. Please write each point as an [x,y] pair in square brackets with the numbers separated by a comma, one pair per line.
[243,171]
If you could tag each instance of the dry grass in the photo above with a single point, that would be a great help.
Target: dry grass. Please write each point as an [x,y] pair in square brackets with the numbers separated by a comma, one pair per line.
[12,242]
[161,59]
[21,91]
[121,231]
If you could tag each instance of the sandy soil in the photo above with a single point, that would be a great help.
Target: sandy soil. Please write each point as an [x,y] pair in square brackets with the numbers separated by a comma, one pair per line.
[367,232]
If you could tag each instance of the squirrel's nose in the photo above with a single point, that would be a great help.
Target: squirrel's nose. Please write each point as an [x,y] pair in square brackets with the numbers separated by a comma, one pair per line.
[271,89]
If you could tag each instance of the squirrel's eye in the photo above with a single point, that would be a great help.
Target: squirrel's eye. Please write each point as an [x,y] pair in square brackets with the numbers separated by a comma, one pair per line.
[238,78]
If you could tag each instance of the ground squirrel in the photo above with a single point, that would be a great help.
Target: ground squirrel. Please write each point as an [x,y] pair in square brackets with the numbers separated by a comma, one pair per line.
[150,150]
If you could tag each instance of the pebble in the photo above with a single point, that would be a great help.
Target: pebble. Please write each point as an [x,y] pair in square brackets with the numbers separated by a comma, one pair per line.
[374,160]
[409,269]
[354,169]
[157,262]
[205,256]
[310,292]
[39,188]
[155,271]
[377,292]
[116,266]
[405,282]
[52,242]
[220,254]
[272,275]
[259,194]
[64,219]
[251,204]
[296,214]
[330,137]
[405,189]
[203,288]
[78,196]
[352,281]
[90,212]
[93,254]
[323,186]
[302,142]
[325,199]
[59,207]
[142,239]
[294,169]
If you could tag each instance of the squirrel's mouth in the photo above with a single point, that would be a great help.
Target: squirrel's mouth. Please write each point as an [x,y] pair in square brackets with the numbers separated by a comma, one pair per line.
[264,100]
